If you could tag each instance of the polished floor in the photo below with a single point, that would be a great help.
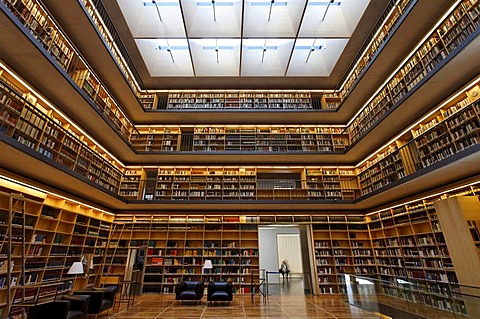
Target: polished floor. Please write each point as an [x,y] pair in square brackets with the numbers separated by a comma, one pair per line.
[275,306]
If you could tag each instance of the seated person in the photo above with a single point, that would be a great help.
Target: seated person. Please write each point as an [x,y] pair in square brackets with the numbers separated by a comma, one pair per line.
[284,269]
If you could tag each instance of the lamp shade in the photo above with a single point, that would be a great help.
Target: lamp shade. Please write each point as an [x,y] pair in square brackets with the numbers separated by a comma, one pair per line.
[207,264]
[76,268]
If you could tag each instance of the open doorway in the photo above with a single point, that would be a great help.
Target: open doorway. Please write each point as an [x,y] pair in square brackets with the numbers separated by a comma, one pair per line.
[288,243]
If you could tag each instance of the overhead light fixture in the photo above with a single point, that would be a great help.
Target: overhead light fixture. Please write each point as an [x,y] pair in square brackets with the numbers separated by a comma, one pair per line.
[270,12]
[326,10]
[158,10]
[264,49]
[214,15]
[171,54]
[312,49]
[217,48]
[169,50]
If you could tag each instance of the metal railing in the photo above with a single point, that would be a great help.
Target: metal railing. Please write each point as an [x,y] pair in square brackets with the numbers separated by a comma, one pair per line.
[411,297]
[198,188]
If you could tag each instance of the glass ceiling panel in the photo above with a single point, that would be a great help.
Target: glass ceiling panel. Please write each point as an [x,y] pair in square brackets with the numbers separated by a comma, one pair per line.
[272,18]
[217,18]
[315,57]
[234,38]
[213,57]
[153,20]
[265,57]
[166,57]
[332,19]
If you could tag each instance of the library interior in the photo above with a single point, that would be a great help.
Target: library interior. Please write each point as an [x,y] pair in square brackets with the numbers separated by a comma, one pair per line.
[243,159]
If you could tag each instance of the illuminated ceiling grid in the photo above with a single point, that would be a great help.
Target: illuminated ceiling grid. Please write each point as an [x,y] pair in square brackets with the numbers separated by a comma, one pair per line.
[235,38]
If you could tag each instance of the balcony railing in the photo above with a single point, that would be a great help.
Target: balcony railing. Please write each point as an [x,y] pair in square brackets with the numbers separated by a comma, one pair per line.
[227,189]
[415,298]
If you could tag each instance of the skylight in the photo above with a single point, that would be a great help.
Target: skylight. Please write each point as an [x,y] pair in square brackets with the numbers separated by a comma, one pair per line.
[203,38]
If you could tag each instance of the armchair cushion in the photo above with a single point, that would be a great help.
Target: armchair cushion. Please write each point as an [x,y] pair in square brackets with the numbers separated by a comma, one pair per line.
[219,291]
[64,307]
[189,290]
[78,305]
[57,309]
[101,299]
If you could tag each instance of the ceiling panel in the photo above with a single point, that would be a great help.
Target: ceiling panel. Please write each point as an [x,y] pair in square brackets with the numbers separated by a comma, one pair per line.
[217,18]
[332,19]
[216,57]
[272,18]
[265,57]
[188,38]
[315,57]
[145,21]
[166,57]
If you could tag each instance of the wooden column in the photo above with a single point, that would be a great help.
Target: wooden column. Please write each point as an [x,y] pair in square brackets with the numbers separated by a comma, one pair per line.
[453,214]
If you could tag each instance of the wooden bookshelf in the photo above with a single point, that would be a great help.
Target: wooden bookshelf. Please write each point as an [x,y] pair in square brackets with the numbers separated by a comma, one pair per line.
[38,21]
[177,247]
[267,138]
[384,168]
[451,129]
[342,246]
[331,184]
[444,137]
[404,242]
[243,183]
[57,233]
[453,31]
[156,139]
[132,182]
[331,101]
[32,122]
[148,101]
[409,245]
[373,44]
[241,100]
[97,16]
[43,28]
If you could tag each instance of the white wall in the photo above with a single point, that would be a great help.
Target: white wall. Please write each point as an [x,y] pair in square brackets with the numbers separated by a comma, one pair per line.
[267,244]
[289,249]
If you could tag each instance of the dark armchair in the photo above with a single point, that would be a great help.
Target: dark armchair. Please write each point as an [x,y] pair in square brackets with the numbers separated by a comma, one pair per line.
[189,290]
[101,299]
[63,307]
[219,291]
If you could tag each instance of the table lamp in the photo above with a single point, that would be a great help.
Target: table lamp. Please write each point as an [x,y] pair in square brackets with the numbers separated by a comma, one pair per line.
[76,268]
[207,265]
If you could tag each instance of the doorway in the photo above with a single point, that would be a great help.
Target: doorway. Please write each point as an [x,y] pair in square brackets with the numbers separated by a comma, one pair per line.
[290,243]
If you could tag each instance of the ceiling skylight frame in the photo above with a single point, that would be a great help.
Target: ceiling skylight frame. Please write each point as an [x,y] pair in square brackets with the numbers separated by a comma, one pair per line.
[287,16]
